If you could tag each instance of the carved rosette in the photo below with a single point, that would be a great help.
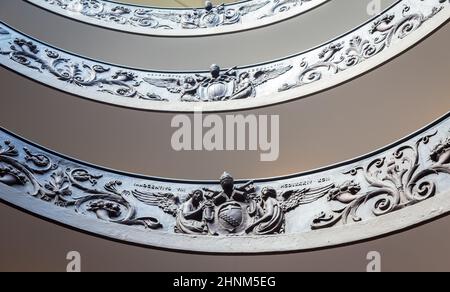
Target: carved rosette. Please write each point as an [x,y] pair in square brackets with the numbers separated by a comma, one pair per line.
[380,39]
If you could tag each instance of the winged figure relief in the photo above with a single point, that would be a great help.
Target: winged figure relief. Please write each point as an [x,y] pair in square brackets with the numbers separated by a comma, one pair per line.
[232,209]
[4,34]
[219,85]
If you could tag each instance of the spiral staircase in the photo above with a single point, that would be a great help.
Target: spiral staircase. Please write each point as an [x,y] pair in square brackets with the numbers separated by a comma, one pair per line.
[90,89]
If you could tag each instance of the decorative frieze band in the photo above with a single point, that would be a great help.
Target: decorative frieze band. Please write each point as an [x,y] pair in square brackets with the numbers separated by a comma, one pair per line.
[210,19]
[366,47]
[295,212]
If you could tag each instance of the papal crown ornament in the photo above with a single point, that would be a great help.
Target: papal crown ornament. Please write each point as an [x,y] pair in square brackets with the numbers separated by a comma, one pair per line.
[372,44]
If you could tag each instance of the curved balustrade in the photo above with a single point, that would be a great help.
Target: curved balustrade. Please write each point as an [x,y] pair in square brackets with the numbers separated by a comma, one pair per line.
[368,46]
[211,19]
[391,189]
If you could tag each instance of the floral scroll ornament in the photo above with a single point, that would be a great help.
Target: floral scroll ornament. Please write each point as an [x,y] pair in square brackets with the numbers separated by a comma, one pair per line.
[120,14]
[395,182]
[68,188]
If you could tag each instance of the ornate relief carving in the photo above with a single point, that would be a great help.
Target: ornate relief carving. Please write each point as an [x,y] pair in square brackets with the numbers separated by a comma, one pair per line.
[234,88]
[414,171]
[280,6]
[231,210]
[61,186]
[219,86]
[212,16]
[121,83]
[408,174]
[394,182]
[165,21]
[342,55]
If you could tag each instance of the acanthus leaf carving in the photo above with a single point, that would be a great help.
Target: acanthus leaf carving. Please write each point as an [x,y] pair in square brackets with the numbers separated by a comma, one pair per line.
[237,87]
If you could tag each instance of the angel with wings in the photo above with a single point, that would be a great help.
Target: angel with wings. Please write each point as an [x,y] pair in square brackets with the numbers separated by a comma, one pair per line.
[269,213]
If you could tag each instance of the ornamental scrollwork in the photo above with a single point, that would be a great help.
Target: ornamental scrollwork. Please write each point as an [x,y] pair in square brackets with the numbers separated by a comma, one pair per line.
[414,171]
[152,20]
[233,88]
[232,210]
[212,16]
[104,11]
[341,55]
[219,85]
[394,182]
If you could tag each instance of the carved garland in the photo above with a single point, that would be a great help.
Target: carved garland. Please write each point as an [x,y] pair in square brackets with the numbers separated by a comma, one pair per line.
[166,21]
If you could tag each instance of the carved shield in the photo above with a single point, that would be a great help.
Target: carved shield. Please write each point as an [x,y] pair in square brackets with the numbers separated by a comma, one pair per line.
[231,216]
[217,91]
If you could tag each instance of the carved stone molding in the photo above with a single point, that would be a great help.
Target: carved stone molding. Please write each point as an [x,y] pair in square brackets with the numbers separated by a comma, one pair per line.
[208,20]
[372,44]
[388,190]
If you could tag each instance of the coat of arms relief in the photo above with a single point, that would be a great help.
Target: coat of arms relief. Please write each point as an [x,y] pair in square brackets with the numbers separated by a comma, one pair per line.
[237,210]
